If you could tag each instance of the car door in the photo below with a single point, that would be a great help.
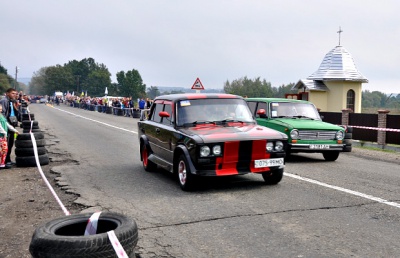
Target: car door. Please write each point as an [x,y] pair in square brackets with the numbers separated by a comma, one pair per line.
[166,133]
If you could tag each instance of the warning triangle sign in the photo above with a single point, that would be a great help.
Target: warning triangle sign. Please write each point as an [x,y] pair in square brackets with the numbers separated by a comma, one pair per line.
[197,85]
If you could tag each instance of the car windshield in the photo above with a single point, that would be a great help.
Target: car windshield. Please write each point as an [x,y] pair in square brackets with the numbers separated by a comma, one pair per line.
[294,110]
[197,111]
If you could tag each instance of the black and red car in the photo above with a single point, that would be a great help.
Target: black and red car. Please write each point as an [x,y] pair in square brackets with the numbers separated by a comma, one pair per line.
[209,135]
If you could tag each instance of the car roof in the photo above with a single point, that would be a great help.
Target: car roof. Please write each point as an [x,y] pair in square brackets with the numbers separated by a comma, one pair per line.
[278,100]
[174,97]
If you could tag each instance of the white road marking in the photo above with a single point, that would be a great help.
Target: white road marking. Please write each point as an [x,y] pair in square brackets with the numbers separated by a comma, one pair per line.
[96,121]
[366,196]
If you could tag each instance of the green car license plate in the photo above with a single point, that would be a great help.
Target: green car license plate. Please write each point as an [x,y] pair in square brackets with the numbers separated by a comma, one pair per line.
[319,146]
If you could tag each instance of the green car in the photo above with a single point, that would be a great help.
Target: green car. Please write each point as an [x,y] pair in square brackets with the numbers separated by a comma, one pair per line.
[301,122]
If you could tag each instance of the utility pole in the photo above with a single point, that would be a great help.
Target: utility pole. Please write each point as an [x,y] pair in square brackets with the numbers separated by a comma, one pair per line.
[16,76]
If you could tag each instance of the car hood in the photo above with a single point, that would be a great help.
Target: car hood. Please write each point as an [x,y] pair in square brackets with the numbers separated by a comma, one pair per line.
[304,124]
[238,132]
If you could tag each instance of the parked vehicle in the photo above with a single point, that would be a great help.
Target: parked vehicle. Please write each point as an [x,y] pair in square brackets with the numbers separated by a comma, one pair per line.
[301,122]
[195,135]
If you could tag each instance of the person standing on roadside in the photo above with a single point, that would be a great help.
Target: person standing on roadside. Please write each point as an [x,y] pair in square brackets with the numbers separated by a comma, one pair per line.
[142,106]
[4,128]
[10,112]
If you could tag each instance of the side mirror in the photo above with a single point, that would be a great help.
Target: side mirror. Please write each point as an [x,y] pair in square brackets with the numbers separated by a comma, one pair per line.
[261,112]
[164,114]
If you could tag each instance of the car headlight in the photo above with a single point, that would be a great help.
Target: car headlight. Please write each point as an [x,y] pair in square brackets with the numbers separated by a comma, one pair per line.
[217,150]
[339,135]
[270,146]
[204,151]
[294,134]
[278,146]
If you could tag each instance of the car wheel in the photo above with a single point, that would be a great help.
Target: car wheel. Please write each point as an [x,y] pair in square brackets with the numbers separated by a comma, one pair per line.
[331,155]
[148,165]
[273,177]
[185,177]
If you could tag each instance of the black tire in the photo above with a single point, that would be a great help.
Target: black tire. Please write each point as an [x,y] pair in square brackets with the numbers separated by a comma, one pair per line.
[148,165]
[30,161]
[28,123]
[33,130]
[27,136]
[28,143]
[28,117]
[27,127]
[64,237]
[348,136]
[331,155]
[347,148]
[186,179]
[273,177]
[349,129]
[26,152]
[347,145]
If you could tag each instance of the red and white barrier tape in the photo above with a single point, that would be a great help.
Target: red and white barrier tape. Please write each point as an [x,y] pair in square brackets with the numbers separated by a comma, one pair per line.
[119,250]
[91,227]
[375,128]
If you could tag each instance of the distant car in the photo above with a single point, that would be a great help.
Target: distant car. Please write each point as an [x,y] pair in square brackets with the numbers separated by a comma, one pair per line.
[195,135]
[43,100]
[301,122]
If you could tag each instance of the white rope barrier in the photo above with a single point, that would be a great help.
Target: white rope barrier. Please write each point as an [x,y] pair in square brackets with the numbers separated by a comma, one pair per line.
[91,227]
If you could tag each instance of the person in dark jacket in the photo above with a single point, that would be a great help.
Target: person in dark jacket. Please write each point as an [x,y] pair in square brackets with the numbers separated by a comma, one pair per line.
[10,112]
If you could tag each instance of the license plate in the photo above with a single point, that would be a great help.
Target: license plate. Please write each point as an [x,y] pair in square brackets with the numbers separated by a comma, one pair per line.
[262,163]
[319,146]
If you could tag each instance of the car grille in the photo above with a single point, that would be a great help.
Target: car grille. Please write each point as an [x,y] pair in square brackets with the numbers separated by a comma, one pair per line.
[317,135]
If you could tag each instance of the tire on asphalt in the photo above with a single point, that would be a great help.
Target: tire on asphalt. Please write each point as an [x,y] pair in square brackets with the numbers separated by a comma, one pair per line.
[28,143]
[30,161]
[186,179]
[27,127]
[28,123]
[148,165]
[330,155]
[26,152]
[27,136]
[273,177]
[28,117]
[64,237]
[33,130]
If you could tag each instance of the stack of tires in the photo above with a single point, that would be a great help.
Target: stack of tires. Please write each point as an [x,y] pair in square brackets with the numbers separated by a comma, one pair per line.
[24,151]
[348,139]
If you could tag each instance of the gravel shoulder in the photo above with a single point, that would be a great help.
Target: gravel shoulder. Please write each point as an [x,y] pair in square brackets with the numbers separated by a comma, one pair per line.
[26,201]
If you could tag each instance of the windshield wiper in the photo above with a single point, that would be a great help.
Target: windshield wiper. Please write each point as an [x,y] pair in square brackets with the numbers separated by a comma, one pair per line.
[231,121]
[198,123]
[305,117]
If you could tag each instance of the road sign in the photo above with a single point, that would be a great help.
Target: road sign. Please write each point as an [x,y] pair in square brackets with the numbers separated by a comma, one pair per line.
[197,85]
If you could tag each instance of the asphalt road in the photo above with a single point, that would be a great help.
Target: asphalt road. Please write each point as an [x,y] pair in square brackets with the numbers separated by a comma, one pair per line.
[350,207]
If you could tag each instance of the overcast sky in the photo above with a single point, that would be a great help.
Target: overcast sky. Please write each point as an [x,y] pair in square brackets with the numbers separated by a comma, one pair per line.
[172,42]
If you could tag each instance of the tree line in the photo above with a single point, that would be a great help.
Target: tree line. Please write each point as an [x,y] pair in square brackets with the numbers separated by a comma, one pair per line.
[88,77]
[93,78]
